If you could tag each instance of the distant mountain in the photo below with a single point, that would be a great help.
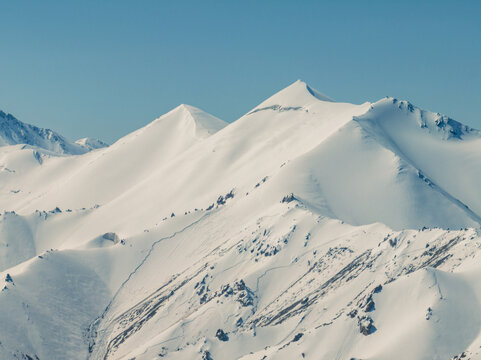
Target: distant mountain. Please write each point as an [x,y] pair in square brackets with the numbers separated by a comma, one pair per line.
[91,144]
[307,229]
[13,131]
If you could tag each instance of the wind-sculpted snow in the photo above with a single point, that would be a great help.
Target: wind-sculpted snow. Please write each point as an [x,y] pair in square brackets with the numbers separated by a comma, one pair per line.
[306,229]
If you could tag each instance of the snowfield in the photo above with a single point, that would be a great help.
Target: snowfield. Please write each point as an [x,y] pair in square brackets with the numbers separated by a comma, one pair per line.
[306,229]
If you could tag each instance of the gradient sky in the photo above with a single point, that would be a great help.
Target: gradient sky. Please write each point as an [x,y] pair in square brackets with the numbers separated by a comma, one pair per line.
[105,68]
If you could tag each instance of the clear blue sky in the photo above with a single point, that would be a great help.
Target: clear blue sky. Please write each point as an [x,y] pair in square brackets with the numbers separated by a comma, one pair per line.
[105,68]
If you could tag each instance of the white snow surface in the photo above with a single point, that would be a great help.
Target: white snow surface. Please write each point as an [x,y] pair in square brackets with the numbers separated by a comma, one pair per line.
[306,229]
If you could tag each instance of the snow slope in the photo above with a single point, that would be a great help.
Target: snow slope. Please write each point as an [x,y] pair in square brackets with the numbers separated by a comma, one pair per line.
[103,175]
[308,228]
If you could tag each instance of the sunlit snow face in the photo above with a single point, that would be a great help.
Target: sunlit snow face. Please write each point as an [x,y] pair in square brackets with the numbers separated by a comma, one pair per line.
[308,228]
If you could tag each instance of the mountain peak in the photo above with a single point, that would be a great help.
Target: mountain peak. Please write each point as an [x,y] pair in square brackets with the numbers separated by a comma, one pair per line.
[91,143]
[14,131]
[296,94]
[303,85]
[390,111]
[173,244]
[204,122]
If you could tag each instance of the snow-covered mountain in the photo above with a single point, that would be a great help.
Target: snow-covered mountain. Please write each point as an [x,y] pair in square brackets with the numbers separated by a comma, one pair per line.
[306,229]
[91,144]
[13,132]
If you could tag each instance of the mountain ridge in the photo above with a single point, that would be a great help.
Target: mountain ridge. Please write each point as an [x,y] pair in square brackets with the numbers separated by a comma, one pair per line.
[307,228]
[13,132]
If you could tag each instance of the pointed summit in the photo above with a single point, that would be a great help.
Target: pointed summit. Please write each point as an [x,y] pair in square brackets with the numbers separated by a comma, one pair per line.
[296,94]
[187,116]
[204,122]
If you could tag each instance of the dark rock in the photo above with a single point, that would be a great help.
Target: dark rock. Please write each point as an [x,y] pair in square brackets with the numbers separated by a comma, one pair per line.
[366,326]
[163,352]
[9,279]
[352,314]
[206,356]
[369,304]
[429,313]
[112,237]
[239,322]
[210,207]
[221,335]
[244,295]
[288,198]
[297,337]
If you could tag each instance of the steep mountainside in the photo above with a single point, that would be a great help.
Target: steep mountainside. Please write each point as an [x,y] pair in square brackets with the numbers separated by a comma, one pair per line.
[306,229]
